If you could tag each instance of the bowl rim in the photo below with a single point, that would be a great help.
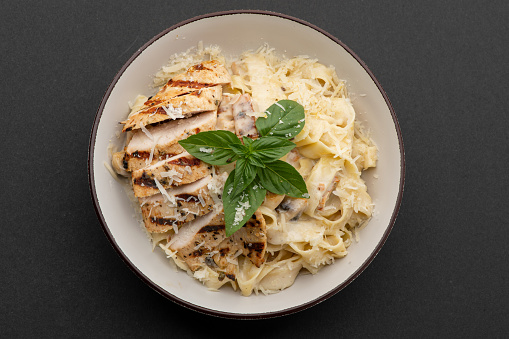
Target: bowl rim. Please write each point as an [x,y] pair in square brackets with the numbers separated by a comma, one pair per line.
[183,302]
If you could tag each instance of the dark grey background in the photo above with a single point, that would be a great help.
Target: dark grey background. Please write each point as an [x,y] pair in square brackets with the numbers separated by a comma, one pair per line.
[443,271]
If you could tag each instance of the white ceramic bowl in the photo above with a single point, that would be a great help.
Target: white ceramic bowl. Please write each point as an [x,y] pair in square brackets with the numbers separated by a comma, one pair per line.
[235,32]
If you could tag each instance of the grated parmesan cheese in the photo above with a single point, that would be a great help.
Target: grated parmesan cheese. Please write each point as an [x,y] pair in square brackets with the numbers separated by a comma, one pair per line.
[146,131]
[170,198]
[199,245]
[173,112]
[241,210]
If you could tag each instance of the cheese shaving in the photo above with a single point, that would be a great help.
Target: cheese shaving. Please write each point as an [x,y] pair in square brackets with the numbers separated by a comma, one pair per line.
[170,199]
[146,131]
[173,112]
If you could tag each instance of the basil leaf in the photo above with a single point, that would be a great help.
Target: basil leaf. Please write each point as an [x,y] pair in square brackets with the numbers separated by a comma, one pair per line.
[270,149]
[284,119]
[255,161]
[239,208]
[244,175]
[282,178]
[213,147]
[248,142]
[240,150]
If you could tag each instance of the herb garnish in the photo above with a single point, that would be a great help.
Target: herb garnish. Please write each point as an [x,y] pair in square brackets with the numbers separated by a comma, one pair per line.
[258,168]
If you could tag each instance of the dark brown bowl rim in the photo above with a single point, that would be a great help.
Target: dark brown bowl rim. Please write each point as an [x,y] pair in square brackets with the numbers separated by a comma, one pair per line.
[204,309]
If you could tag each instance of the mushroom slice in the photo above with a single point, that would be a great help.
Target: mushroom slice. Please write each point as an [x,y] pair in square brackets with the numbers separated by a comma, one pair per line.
[225,114]
[244,123]
[292,208]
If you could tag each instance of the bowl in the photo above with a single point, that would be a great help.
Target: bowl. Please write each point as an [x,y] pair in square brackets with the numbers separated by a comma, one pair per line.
[233,32]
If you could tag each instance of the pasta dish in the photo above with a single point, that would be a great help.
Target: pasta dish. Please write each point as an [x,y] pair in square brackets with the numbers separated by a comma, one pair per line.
[180,197]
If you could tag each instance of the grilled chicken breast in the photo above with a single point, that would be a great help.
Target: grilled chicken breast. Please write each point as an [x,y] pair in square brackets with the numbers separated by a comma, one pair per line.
[250,239]
[188,202]
[197,90]
[165,137]
[175,171]
[117,162]
[197,239]
[183,106]
[204,241]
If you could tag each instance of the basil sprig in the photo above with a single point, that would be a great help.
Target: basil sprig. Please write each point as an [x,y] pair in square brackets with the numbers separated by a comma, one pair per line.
[258,168]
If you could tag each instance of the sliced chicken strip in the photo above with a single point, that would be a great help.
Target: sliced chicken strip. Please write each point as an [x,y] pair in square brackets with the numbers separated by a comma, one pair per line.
[196,239]
[197,90]
[190,201]
[292,208]
[205,74]
[174,88]
[183,106]
[175,171]
[204,241]
[250,239]
[117,162]
[156,222]
[244,123]
[163,139]
[223,262]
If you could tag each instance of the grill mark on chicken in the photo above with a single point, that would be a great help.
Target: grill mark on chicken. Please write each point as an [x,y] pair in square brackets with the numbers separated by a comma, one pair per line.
[168,221]
[197,253]
[197,89]
[251,239]
[166,137]
[209,72]
[145,180]
[188,84]
[198,246]
[198,67]
[187,169]
[255,246]
[138,155]
[185,161]
[160,215]
[199,100]
[211,228]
